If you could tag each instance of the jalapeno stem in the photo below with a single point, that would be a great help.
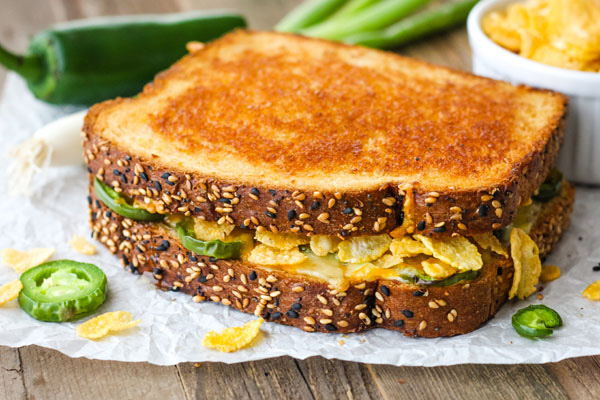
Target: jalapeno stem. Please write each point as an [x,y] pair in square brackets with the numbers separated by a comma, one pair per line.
[28,66]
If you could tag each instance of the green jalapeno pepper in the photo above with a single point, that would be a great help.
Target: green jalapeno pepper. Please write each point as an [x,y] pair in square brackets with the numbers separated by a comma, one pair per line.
[551,186]
[62,290]
[118,204]
[211,248]
[84,62]
[536,321]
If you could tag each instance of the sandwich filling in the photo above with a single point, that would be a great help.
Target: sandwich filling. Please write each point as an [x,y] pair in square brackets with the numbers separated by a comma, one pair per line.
[412,259]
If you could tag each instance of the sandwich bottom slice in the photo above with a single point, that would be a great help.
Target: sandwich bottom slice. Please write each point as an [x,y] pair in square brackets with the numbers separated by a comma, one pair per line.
[417,285]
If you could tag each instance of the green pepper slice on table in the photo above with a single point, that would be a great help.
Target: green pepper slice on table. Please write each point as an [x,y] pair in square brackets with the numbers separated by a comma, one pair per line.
[536,321]
[118,204]
[211,248]
[62,290]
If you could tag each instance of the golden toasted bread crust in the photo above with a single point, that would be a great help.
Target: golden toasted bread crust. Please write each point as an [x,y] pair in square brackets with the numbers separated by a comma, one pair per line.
[332,141]
[308,303]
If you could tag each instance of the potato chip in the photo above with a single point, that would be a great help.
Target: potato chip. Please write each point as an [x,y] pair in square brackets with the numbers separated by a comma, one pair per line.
[21,261]
[592,292]
[82,246]
[10,291]
[549,273]
[490,242]
[209,230]
[437,269]
[247,240]
[281,241]
[266,255]
[322,245]
[408,247]
[102,325]
[233,339]
[388,261]
[526,260]
[362,249]
[456,251]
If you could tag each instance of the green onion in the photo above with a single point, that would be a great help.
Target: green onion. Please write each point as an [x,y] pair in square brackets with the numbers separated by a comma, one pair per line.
[415,27]
[375,17]
[353,7]
[308,13]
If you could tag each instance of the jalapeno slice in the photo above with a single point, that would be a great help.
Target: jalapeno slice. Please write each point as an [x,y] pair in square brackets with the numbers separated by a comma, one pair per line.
[211,248]
[536,321]
[118,204]
[62,290]
[551,186]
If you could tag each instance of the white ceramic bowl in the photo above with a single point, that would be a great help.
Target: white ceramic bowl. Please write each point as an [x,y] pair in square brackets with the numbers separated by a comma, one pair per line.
[579,157]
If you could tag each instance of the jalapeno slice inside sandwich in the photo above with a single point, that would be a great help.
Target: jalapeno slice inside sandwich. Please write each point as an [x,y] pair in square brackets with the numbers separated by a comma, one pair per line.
[119,205]
[62,290]
[536,321]
[211,248]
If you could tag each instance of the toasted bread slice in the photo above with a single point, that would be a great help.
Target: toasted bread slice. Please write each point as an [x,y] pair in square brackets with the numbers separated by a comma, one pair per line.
[309,303]
[356,141]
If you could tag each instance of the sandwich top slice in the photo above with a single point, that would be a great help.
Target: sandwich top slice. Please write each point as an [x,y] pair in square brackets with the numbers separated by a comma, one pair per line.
[330,187]
[324,129]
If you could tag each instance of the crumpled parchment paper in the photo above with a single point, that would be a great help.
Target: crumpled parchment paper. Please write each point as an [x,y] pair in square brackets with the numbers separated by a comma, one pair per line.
[173,326]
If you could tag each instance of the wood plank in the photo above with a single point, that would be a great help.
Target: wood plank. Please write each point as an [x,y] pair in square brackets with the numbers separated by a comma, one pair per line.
[580,377]
[502,382]
[277,378]
[11,376]
[49,375]
[334,379]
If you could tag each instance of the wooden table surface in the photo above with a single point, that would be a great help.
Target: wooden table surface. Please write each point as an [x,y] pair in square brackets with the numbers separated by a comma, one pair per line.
[36,373]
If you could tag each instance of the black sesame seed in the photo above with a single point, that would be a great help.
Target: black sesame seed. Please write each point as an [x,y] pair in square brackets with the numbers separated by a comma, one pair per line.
[197,209]
[125,259]
[499,271]
[345,233]
[127,170]
[89,199]
[150,167]
[270,214]
[398,323]
[331,327]
[144,176]
[417,158]
[276,315]
[385,290]
[439,229]
[138,248]
[254,191]
[128,158]
[166,175]
[291,215]
[407,313]
[202,278]
[123,179]
[418,293]
[296,306]
[400,217]
[157,185]
[116,172]
[175,289]
[348,210]
[315,205]
[193,259]
[596,268]
[157,271]
[93,216]
[292,314]
[89,170]
[223,200]
[98,204]
[170,183]
[272,192]
[107,214]
[133,269]
[421,225]
[252,276]
[482,210]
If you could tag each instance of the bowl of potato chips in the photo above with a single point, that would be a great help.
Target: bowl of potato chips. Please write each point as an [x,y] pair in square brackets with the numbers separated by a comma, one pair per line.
[550,44]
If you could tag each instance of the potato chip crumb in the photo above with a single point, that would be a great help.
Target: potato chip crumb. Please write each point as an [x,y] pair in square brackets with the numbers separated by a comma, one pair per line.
[233,339]
[549,273]
[10,291]
[592,292]
[102,325]
[82,246]
[21,261]
[341,342]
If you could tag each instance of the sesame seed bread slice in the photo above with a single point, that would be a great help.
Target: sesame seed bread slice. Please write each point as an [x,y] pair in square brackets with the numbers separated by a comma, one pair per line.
[311,304]
[317,136]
